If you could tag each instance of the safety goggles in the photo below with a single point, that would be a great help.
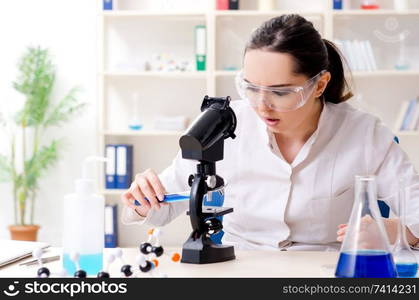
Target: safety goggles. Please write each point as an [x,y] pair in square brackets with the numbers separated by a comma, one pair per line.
[281,99]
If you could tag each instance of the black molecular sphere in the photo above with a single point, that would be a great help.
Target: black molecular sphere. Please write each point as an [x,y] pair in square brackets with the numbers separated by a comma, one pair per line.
[43,272]
[144,248]
[103,275]
[147,267]
[126,270]
[80,274]
[157,250]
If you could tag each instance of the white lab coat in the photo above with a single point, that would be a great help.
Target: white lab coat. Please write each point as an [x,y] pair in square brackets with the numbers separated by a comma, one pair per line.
[296,206]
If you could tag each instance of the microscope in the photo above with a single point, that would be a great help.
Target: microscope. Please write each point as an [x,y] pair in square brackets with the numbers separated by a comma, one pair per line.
[204,141]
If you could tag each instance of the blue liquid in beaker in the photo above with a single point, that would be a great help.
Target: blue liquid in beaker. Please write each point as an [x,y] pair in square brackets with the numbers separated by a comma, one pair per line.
[366,264]
[406,270]
[91,263]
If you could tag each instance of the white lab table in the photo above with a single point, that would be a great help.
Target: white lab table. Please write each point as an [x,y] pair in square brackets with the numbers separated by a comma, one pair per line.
[247,264]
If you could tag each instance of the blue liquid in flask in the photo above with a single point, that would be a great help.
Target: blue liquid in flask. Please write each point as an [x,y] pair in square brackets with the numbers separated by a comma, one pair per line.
[366,264]
[135,126]
[406,270]
[91,263]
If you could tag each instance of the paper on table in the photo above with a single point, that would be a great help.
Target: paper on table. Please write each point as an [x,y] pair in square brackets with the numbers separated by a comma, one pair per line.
[12,251]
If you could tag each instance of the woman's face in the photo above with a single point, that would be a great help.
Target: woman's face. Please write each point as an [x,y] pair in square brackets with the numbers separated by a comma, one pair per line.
[273,69]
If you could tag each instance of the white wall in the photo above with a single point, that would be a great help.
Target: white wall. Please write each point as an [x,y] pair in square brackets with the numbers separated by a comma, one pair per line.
[68,29]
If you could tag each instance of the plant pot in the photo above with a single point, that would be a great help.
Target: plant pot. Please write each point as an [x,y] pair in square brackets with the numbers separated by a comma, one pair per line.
[23,232]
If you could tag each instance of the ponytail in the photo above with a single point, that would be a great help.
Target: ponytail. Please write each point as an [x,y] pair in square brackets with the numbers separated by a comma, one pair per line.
[337,89]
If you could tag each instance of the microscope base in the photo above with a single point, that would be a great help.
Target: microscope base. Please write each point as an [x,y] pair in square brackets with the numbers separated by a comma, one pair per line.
[204,251]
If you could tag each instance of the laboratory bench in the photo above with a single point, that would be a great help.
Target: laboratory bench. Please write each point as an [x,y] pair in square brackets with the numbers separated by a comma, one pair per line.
[247,264]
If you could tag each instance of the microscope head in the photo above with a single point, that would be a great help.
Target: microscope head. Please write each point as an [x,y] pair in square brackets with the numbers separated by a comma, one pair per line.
[204,139]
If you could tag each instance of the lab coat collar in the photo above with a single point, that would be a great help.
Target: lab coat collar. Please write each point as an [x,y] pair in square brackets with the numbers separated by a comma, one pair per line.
[272,144]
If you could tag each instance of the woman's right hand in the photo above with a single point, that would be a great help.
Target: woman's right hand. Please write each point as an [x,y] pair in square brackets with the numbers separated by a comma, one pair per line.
[146,185]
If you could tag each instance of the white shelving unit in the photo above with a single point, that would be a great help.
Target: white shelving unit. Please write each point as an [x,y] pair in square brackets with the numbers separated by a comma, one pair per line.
[139,29]
[385,12]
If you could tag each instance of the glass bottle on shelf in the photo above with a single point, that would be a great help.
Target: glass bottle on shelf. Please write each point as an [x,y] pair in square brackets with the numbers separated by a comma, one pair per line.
[405,259]
[365,251]
[135,121]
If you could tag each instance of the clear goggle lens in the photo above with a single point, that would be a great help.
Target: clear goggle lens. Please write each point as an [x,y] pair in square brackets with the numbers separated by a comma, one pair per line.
[279,99]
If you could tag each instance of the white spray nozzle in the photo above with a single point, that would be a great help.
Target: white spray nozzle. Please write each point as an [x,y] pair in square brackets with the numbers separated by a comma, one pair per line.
[84,184]
[87,161]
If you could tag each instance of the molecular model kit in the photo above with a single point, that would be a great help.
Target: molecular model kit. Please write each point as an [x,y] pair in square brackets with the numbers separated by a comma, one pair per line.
[146,261]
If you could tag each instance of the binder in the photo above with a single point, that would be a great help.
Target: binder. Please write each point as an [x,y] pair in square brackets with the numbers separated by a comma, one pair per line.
[337,4]
[111,226]
[233,4]
[200,47]
[110,167]
[107,4]
[409,114]
[415,117]
[123,166]
[222,4]
[371,56]
[341,4]
[400,118]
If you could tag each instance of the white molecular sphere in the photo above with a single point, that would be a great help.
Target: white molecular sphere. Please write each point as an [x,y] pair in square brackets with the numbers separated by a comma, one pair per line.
[140,259]
[117,252]
[37,253]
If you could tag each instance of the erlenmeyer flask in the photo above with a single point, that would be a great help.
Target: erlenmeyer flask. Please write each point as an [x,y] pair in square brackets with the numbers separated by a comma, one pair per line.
[365,250]
[405,259]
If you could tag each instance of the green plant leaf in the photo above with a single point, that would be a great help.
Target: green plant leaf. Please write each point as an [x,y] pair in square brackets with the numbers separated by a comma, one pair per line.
[35,81]
[5,169]
[39,162]
[66,108]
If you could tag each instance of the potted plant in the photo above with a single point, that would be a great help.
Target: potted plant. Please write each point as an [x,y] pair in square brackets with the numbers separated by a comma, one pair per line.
[30,155]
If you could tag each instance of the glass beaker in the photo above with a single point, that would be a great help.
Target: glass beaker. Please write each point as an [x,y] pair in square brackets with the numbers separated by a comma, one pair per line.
[405,259]
[365,250]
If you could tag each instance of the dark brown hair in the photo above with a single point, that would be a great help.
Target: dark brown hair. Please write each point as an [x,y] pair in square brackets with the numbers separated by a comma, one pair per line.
[294,35]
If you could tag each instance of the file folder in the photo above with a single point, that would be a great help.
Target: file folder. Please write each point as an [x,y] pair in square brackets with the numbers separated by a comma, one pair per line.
[111,226]
[201,47]
[110,167]
[123,166]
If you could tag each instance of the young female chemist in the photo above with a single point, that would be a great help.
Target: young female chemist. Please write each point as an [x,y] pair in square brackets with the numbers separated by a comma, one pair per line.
[299,145]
